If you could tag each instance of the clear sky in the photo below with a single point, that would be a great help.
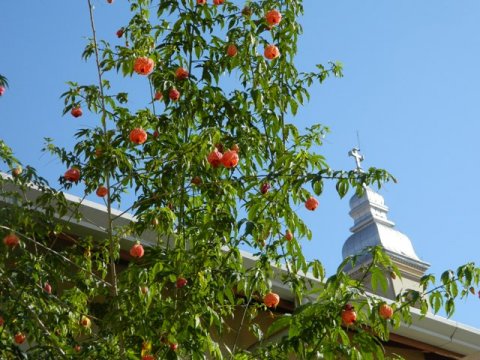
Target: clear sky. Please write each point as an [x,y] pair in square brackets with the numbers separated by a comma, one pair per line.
[411,91]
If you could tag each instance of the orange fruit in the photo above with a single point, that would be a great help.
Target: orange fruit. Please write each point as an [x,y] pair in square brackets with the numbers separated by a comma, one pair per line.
[232,50]
[181,73]
[273,17]
[101,191]
[19,338]
[349,316]
[311,203]
[215,158]
[76,111]
[72,174]
[138,136]
[143,65]
[230,159]
[137,251]
[385,311]
[271,300]
[11,240]
[174,94]
[158,95]
[271,52]
[288,235]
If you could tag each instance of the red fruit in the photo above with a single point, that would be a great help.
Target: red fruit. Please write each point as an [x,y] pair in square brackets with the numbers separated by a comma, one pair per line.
[138,136]
[85,322]
[201,2]
[47,288]
[181,73]
[120,32]
[137,251]
[101,191]
[148,357]
[264,188]
[143,65]
[2,321]
[76,112]
[385,311]
[288,235]
[311,203]
[77,348]
[174,94]
[110,1]
[273,17]
[158,95]
[173,346]
[17,171]
[232,50]
[2,90]
[156,134]
[19,338]
[230,159]
[72,174]
[349,316]
[215,158]
[11,240]
[181,282]
[218,2]
[271,300]
[271,52]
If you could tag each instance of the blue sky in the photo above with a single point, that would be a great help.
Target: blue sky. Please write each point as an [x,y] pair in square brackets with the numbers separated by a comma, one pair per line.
[411,91]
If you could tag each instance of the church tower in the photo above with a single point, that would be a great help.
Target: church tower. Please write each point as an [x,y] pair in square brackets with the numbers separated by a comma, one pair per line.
[373,228]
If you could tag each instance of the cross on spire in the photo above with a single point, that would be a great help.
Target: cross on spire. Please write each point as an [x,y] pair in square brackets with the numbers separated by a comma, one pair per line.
[355,153]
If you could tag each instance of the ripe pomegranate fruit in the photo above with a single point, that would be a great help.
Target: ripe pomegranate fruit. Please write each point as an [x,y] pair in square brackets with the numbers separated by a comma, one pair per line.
[349,316]
[181,282]
[137,251]
[174,94]
[76,112]
[311,203]
[273,17]
[138,136]
[288,235]
[230,159]
[271,52]
[232,50]
[158,95]
[72,174]
[101,191]
[148,357]
[47,288]
[143,65]
[201,2]
[2,90]
[215,158]
[271,300]
[264,188]
[181,73]
[120,32]
[173,346]
[385,311]
[11,240]
[19,338]
[218,2]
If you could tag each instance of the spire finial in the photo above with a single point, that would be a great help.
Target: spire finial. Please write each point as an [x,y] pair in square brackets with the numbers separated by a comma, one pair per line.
[355,152]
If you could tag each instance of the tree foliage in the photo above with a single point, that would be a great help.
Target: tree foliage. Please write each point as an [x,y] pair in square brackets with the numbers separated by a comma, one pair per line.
[202,215]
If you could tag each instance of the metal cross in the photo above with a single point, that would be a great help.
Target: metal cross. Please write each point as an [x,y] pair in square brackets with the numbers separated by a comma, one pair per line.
[355,152]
